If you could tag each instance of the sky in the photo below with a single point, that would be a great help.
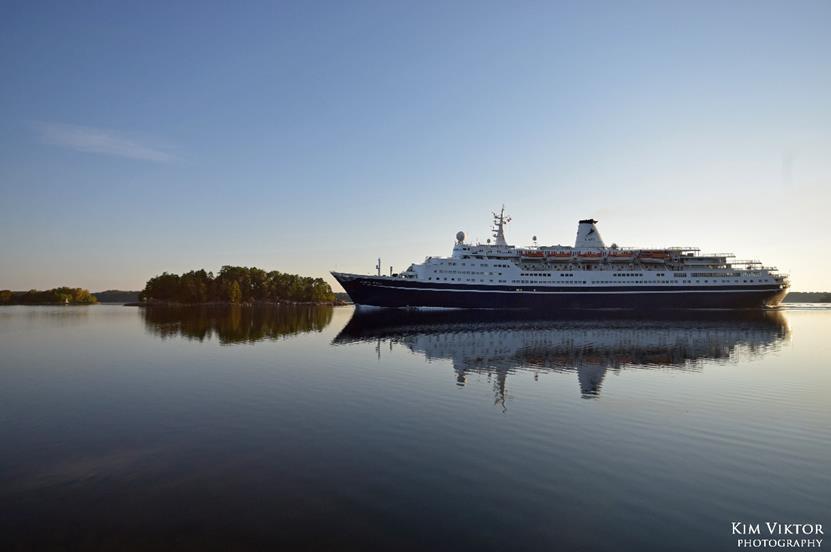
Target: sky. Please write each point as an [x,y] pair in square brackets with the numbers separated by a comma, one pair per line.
[143,137]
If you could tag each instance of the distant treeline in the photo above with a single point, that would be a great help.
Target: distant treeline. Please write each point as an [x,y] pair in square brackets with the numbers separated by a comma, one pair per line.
[56,296]
[236,284]
[117,296]
[808,297]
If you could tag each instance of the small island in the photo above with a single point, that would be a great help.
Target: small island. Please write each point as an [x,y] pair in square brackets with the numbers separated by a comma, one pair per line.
[235,285]
[55,296]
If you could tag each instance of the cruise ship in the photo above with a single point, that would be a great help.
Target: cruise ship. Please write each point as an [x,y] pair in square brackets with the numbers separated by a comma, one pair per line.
[589,275]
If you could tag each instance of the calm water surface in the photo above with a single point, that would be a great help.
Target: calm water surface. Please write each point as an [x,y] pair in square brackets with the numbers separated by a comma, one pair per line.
[321,428]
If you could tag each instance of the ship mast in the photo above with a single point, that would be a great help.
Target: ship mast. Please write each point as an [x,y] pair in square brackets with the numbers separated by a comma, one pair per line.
[499,222]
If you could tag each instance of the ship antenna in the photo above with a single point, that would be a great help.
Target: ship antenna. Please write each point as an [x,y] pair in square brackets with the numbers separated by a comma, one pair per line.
[499,222]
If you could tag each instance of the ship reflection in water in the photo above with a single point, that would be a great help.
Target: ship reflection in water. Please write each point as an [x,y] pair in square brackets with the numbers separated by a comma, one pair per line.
[592,344]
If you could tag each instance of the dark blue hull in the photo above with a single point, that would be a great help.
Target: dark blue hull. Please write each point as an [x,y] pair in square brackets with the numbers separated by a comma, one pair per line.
[395,292]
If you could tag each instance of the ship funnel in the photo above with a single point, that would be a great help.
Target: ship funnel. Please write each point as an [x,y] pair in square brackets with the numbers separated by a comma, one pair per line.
[587,235]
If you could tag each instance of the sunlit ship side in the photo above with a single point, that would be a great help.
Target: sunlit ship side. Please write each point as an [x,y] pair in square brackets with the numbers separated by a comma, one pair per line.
[587,275]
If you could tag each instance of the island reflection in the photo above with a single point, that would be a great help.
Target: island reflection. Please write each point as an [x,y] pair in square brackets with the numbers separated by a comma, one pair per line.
[232,324]
[591,343]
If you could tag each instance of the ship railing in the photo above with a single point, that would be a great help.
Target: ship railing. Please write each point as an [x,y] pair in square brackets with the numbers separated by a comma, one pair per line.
[676,250]
[747,262]
[754,268]
[673,249]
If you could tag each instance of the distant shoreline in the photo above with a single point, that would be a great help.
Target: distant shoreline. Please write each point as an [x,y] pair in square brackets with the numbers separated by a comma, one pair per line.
[56,296]
[808,297]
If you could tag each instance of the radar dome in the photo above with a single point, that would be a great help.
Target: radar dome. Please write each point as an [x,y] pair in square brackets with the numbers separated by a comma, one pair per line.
[460,236]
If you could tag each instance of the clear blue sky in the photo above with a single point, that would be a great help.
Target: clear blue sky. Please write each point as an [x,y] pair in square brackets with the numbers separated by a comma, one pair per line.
[142,137]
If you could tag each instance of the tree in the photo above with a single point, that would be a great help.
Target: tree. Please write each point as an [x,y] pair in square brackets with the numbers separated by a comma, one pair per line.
[83,297]
[234,292]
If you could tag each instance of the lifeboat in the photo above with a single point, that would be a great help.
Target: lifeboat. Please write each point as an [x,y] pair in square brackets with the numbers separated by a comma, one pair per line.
[590,256]
[531,254]
[558,256]
[621,256]
[655,257]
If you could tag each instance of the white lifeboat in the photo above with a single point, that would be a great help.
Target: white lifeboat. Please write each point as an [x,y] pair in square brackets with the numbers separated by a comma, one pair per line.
[532,255]
[558,256]
[654,257]
[618,256]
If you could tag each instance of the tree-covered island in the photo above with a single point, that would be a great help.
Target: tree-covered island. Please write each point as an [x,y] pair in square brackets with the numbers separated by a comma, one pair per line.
[236,284]
[55,296]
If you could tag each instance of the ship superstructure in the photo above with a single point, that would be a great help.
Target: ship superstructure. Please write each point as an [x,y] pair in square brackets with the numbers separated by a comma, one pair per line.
[586,275]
